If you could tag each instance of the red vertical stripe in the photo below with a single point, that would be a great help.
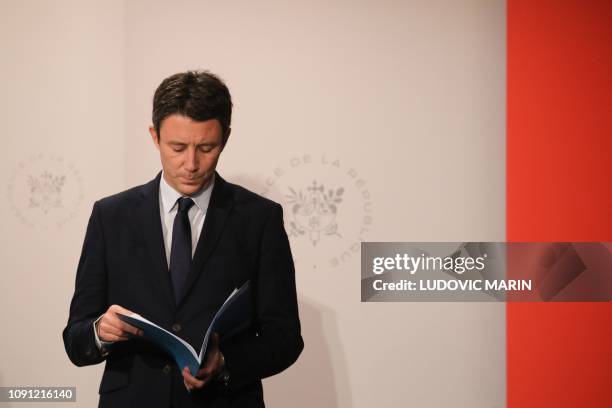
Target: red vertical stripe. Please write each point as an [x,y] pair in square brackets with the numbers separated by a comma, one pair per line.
[559,189]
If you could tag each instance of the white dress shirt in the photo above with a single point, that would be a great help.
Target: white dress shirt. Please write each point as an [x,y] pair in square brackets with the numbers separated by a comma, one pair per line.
[168,207]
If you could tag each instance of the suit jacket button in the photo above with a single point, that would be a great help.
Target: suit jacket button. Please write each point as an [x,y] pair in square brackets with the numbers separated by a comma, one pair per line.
[167,369]
[176,327]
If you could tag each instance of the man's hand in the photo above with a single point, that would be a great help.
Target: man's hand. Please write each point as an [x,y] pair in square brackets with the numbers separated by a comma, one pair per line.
[213,366]
[110,328]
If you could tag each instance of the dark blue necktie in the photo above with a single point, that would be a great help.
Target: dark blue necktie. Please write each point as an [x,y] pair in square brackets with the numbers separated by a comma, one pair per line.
[180,253]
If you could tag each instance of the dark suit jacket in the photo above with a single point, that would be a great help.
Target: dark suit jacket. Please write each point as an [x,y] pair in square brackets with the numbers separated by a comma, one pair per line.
[123,262]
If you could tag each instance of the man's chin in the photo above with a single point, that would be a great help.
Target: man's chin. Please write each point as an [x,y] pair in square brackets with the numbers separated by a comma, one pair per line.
[189,189]
[192,187]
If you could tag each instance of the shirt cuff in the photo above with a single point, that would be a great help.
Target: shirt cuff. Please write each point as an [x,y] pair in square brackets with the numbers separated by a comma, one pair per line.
[103,346]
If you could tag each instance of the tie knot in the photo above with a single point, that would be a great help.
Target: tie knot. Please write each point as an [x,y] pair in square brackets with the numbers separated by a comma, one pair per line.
[184,204]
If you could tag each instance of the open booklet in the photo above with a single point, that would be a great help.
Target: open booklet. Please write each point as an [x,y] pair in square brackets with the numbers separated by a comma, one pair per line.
[232,317]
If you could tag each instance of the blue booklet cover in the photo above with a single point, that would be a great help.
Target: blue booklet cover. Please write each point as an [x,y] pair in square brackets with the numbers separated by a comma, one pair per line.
[232,317]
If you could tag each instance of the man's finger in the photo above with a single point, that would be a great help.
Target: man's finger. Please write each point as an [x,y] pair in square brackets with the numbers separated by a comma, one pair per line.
[114,309]
[119,309]
[112,337]
[203,373]
[214,344]
[128,328]
[109,333]
[212,363]
[105,328]
[123,326]
[191,381]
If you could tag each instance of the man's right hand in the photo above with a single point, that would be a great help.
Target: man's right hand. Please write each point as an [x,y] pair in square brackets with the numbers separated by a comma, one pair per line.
[110,328]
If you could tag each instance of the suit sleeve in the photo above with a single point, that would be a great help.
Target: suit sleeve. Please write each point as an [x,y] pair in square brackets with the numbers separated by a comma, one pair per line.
[89,299]
[278,341]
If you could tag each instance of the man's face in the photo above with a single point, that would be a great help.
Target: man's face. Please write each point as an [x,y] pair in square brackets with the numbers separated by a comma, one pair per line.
[189,151]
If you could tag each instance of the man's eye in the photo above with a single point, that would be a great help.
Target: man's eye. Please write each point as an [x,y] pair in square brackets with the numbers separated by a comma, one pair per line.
[178,148]
[206,149]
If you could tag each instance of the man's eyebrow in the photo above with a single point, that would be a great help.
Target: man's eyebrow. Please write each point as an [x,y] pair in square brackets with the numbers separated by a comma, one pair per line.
[205,144]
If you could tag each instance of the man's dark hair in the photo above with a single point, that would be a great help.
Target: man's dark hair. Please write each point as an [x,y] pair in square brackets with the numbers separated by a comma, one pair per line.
[199,95]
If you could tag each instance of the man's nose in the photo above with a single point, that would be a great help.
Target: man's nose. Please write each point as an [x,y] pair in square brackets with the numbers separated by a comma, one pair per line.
[191,162]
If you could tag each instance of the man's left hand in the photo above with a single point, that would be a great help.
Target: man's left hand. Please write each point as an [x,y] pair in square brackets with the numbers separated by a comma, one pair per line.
[212,367]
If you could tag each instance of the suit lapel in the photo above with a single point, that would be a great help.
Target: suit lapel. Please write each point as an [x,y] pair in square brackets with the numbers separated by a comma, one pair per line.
[150,221]
[219,207]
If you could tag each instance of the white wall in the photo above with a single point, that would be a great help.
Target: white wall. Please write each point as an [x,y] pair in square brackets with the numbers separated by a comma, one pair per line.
[408,97]
[62,107]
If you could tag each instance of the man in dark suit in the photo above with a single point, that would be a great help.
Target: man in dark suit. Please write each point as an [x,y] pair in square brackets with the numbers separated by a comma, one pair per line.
[172,250]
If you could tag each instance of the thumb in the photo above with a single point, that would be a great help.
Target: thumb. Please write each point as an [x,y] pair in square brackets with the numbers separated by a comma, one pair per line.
[120,309]
[215,340]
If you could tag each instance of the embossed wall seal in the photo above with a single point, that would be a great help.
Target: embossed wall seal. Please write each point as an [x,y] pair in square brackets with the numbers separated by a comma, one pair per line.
[45,191]
[328,207]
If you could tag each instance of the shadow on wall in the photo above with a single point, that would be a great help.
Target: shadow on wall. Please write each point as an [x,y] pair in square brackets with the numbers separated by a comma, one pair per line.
[320,376]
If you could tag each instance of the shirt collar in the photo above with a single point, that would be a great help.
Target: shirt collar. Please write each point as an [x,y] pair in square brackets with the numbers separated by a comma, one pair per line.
[169,195]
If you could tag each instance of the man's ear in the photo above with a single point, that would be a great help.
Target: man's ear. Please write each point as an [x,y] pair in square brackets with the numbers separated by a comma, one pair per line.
[226,138]
[154,136]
